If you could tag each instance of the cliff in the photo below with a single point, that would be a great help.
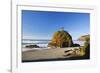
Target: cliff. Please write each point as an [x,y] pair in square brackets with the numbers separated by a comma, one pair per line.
[83,38]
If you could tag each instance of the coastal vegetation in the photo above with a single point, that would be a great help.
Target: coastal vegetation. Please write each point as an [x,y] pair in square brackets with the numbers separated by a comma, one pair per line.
[86,47]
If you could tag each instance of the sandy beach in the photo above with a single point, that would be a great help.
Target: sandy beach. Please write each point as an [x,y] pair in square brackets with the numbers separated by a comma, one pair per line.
[47,54]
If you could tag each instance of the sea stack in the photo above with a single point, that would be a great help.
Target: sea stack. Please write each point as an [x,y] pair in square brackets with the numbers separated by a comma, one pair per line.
[61,39]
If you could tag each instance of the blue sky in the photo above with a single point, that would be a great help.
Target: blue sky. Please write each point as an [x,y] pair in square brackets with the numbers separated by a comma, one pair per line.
[43,24]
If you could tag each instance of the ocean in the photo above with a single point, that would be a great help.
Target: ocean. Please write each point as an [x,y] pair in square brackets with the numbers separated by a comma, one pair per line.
[44,43]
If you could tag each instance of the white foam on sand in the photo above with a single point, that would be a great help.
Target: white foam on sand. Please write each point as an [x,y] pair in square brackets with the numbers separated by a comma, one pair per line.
[28,49]
[44,46]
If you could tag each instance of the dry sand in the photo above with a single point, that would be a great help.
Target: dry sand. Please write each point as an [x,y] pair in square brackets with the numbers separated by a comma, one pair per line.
[46,54]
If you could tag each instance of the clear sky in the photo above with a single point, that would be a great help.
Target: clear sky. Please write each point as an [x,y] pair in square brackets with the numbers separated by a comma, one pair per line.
[43,24]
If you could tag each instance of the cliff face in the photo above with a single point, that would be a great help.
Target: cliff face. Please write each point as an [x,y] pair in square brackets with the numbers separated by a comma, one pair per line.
[84,37]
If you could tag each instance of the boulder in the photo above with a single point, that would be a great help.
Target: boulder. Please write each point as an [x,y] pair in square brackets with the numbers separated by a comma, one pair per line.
[83,38]
[61,39]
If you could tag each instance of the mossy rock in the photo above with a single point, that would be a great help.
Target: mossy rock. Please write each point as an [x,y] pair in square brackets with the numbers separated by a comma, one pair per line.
[61,39]
[86,47]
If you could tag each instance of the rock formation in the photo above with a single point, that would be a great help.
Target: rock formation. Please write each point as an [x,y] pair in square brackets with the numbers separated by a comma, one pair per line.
[84,37]
[32,46]
[61,39]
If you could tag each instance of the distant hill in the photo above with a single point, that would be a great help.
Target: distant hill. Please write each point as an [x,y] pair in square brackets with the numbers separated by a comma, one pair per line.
[83,38]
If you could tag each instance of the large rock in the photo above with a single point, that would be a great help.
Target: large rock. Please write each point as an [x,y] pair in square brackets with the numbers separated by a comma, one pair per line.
[86,47]
[61,39]
[84,37]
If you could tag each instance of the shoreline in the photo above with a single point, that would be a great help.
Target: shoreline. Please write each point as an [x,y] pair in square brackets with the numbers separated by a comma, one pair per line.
[50,55]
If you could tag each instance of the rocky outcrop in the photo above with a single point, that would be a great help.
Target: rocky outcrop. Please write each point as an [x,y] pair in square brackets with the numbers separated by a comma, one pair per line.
[61,39]
[76,45]
[86,47]
[32,46]
[84,37]
[85,50]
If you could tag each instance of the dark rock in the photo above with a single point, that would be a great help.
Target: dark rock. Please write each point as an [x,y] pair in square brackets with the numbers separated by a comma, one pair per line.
[76,45]
[32,46]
